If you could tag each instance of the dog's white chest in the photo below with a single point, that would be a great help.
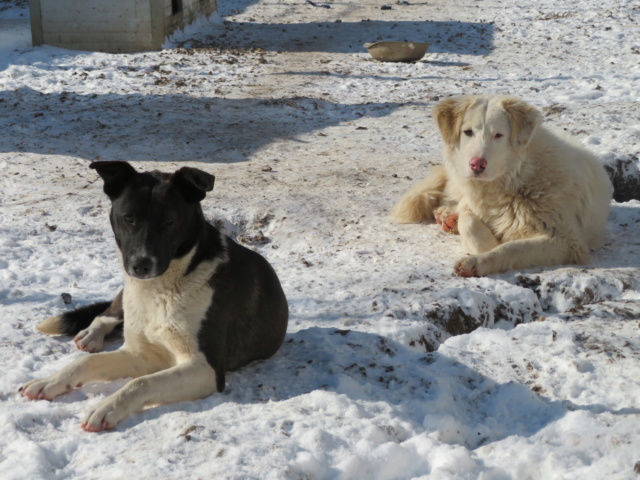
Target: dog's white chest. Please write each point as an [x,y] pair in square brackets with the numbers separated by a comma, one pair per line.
[167,312]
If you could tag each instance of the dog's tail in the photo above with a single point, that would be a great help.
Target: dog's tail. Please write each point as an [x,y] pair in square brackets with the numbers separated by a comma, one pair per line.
[73,321]
[417,204]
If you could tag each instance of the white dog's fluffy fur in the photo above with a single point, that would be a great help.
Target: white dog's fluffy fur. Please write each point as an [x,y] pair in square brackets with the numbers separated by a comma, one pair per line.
[519,195]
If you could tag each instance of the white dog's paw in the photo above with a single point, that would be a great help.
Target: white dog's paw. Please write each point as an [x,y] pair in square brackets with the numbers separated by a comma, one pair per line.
[468,267]
[89,340]
[105,415]
[447,219]
[44,389]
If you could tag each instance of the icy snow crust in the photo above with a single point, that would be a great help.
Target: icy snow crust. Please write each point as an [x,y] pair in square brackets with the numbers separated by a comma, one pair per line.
[392,368]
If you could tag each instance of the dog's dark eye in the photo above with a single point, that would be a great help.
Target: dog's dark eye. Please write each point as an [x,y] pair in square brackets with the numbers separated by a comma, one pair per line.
[129,219]
[498,135]
[468,133]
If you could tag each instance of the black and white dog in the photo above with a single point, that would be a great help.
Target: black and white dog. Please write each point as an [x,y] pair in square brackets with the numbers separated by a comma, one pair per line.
[194,305]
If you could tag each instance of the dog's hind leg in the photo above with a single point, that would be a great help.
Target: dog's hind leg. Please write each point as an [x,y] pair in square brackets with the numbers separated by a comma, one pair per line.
[447,218]
[191,380]
[92,339]
[418,203]
[90,323]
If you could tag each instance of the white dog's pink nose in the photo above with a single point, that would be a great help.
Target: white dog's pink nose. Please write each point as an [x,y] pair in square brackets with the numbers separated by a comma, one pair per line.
[478,164]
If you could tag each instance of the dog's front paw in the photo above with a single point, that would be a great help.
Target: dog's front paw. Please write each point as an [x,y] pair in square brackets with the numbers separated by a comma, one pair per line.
[447,219]
[468,267]
[44,389]
[106,415]
[89,340]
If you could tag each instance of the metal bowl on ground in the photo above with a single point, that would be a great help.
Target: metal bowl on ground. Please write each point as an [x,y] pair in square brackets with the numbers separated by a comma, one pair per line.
[392,51]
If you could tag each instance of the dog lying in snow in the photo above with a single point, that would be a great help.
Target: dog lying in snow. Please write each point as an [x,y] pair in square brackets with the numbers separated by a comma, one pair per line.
[519,195]
[194,305]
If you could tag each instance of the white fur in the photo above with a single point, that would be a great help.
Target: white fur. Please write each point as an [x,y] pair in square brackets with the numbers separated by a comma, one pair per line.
[541,200]
[91,339]
[161,352]
[50,325]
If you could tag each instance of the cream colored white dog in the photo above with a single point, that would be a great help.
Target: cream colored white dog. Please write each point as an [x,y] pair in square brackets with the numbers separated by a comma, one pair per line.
[519,195]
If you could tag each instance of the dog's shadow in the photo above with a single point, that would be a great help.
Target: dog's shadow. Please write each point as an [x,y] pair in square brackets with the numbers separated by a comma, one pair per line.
[423,388]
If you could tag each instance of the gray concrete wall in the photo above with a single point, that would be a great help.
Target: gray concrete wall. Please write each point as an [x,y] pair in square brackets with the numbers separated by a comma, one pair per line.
[115,26]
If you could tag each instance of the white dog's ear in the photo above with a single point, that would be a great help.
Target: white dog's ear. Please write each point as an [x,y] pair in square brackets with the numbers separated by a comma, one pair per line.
[448,115]
[524,119]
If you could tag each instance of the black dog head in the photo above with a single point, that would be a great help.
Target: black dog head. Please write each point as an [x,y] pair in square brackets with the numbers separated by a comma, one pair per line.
[156,217]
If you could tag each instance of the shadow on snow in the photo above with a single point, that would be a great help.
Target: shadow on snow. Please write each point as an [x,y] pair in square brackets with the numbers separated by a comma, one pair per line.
[348,37]
[162,127]
[432,392]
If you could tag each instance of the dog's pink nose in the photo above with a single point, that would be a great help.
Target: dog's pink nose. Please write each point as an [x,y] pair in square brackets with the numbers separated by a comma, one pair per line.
[478,164]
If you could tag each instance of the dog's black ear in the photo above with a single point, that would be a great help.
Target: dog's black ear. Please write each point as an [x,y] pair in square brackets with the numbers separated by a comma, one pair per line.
[115,174]
[193,183]
[524,120]
[448,115]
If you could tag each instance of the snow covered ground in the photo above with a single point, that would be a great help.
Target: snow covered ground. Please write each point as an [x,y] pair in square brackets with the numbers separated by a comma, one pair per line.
[392,367]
